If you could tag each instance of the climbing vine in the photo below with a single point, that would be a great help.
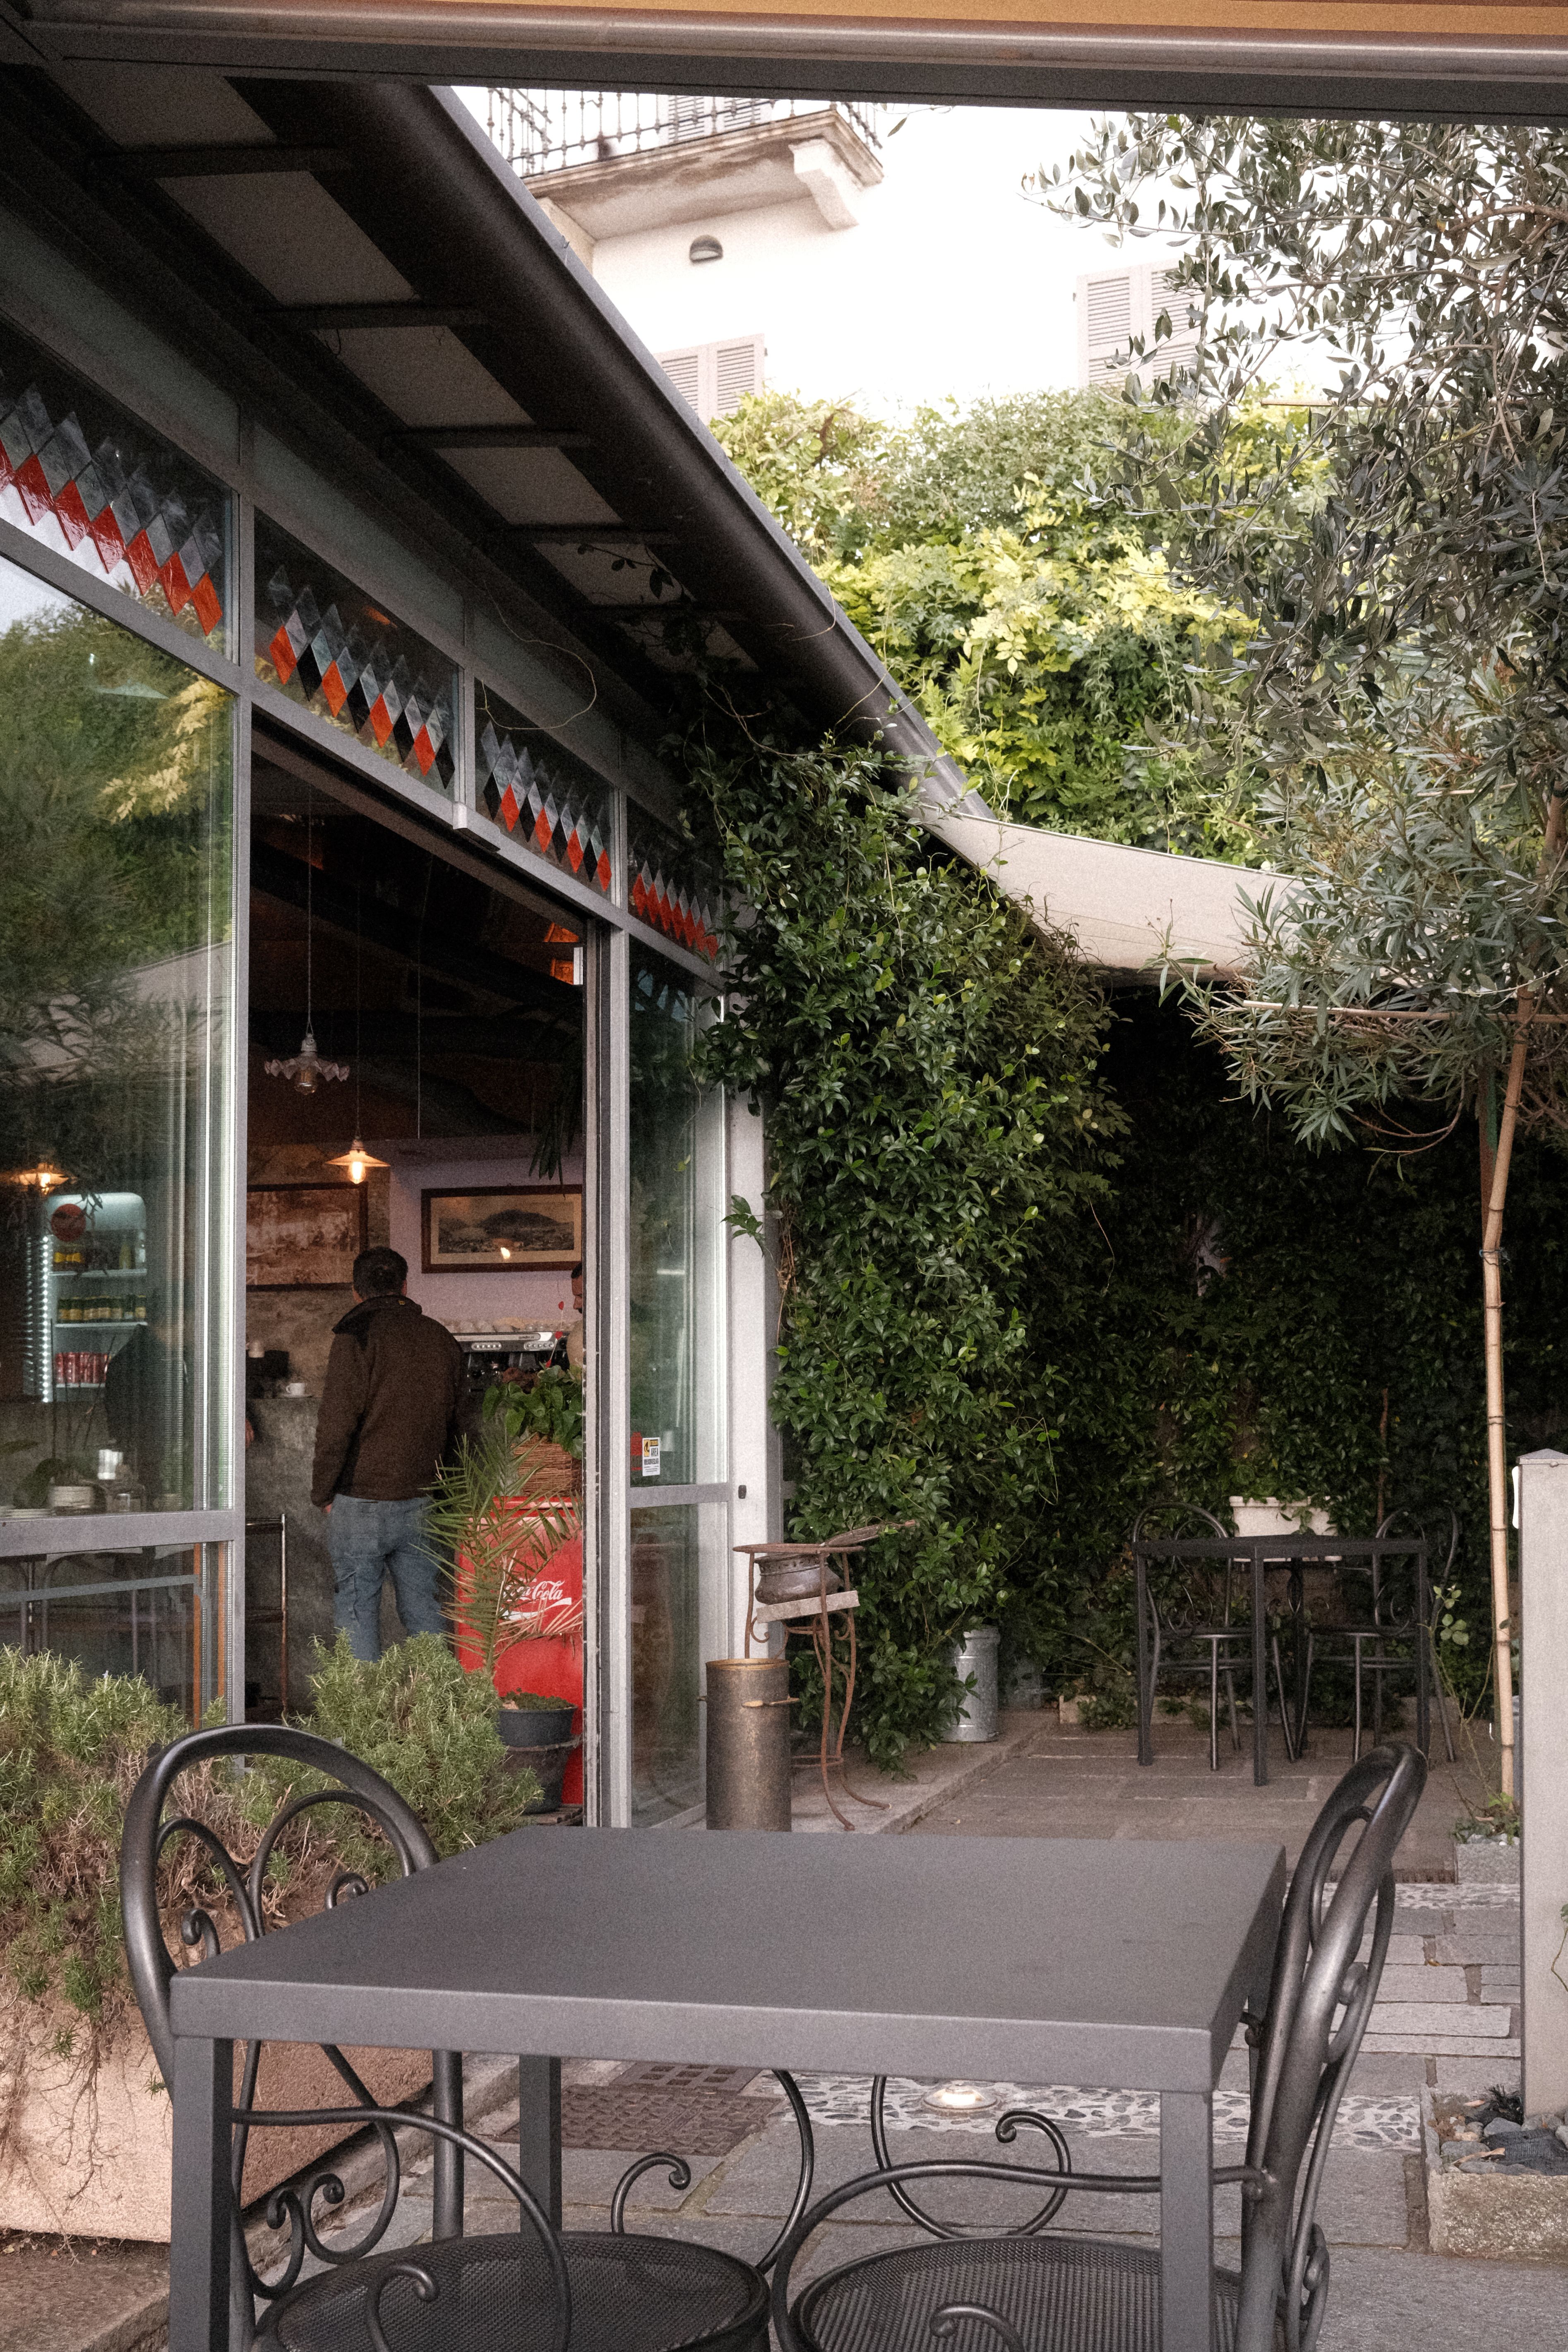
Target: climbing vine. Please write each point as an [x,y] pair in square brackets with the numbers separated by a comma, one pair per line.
[938,1141]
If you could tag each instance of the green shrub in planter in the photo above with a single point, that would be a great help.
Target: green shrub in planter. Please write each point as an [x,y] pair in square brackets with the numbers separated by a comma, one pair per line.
[72,1748]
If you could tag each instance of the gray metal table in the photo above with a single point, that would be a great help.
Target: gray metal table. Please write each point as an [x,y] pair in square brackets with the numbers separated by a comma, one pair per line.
[1086,1961]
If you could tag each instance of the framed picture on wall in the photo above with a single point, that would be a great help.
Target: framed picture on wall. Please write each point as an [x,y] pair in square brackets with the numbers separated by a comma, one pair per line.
[503,1229]
[302,1236]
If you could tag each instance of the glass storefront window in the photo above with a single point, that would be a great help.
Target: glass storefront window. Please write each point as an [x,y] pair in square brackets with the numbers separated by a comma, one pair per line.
[331,650]
[116,1037]
[669,889]
[80,475]
[540,794]
[665,1631]
[156,1611]
[677,1227]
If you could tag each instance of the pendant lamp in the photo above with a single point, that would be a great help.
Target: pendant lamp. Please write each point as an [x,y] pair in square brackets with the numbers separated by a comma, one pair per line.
[306,1070]
[356,1159]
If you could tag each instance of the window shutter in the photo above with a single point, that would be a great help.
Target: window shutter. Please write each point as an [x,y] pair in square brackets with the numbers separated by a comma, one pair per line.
[684,370]
[1181,350]
[713,378]
[1115,306]
[737,369]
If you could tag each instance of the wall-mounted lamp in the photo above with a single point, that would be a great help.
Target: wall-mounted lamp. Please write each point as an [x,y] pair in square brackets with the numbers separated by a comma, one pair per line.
[705,248]
[356,1160]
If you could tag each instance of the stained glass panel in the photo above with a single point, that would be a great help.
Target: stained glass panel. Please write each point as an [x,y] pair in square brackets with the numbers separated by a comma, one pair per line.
[331,650]
[669,887]
[540,794]
[81,475]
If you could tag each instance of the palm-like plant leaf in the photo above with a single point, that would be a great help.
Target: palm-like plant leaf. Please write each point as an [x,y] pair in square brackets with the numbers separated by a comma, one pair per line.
[497,1517]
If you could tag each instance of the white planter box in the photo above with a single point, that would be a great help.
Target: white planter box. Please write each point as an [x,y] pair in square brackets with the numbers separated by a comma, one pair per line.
[1487,1861]
[92,2158]
[1276,1518]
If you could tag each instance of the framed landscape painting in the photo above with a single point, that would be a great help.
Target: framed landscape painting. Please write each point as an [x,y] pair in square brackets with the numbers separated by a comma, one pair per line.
[504,1229]
[302,1236]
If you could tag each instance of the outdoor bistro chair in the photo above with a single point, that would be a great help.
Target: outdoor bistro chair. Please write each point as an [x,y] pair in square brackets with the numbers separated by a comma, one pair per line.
[1384,1639]
[1025,2291]
[539,2286]
[1186,1623]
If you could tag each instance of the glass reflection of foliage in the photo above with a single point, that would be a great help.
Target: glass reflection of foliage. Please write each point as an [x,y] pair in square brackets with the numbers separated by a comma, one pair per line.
[113,803]
[663,1142]
[115,774]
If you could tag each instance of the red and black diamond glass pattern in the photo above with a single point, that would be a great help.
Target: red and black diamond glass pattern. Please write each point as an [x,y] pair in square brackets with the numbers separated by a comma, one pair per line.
[669,890]
[80,475]
[322,641]
[544,798]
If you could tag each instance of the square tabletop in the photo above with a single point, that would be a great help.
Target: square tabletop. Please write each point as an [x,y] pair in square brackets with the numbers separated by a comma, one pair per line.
[1125,1963]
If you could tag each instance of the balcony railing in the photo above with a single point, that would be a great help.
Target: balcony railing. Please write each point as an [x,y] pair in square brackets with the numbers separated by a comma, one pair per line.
[541,130]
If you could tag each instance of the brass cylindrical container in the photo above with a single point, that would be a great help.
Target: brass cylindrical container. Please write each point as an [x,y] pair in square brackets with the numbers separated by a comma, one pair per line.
[748,1744]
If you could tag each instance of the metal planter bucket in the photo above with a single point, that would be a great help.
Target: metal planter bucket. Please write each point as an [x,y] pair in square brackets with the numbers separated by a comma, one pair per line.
[975,1655]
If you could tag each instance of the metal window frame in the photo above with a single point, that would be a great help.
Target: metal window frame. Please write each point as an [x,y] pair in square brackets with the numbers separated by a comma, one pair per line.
[610,929]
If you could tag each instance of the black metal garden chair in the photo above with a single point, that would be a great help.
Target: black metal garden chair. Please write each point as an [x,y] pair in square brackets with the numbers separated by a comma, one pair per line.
[1188,1628]
[1029,2290]
[538,2289]
[1382,1637]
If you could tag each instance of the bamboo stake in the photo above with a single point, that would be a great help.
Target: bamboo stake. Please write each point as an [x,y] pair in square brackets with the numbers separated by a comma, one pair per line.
[1497,1443]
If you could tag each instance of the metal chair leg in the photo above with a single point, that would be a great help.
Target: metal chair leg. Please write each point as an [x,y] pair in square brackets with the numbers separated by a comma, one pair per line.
[1355,1750]
[1230,1692]
[1284,1710]
[1214,1707]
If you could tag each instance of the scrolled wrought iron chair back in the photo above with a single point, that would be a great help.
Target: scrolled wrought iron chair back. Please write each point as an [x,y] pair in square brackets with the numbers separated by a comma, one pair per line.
[1319,1999]
[145,1838]
[1186,1596]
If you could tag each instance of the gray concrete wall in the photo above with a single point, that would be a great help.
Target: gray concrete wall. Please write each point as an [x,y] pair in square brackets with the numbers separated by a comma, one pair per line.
[1543,1596]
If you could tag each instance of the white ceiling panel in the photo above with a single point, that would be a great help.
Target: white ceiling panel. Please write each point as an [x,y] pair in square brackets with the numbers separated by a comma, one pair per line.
[164,106]
[530,486]
[291,235]
[424,376]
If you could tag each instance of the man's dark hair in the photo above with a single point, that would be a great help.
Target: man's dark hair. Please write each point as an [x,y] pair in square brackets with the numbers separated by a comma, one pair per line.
[577,1271]
[378,1272]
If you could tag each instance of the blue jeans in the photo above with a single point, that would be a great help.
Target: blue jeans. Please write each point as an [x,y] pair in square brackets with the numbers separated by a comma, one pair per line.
[367,1541]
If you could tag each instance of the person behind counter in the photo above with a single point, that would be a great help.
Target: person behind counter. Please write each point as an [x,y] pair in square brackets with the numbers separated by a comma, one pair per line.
[389,1410]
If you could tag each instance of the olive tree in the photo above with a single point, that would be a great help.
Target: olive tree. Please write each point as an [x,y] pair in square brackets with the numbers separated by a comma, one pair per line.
[1403,689]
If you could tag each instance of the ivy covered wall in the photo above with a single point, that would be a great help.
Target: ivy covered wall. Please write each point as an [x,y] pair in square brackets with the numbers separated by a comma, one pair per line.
[1348,1281]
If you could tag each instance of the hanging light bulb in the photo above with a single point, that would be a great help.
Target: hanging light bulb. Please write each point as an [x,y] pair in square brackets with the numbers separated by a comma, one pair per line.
[356,1160]
[306,1070]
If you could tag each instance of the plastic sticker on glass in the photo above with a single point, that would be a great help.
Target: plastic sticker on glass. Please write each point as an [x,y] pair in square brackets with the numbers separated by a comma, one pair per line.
[322,641]
[650,1457]
[81,475]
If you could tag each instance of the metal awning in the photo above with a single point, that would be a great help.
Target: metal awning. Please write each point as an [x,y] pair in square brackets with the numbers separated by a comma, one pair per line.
[358,262]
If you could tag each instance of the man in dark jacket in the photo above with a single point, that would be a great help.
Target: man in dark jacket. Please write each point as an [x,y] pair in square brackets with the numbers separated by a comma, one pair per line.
[388,1415]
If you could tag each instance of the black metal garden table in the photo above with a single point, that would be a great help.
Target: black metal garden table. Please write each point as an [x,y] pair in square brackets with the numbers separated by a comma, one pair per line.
[1300,1555]
[1122,1963]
